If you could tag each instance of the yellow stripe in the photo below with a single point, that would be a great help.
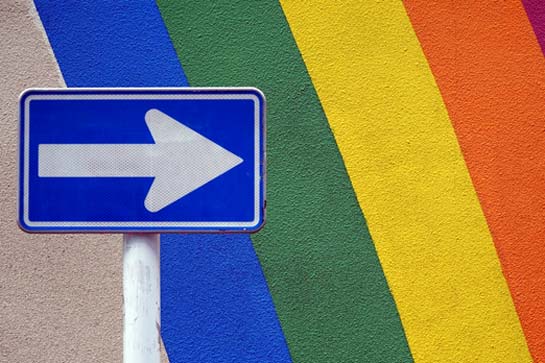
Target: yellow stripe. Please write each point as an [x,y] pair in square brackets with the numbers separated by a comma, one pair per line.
[410,178]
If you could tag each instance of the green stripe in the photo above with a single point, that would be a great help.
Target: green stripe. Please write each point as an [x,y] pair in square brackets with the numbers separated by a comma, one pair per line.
[319,260]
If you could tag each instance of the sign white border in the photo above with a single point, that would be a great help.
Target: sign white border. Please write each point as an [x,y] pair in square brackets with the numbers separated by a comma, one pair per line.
[154,226]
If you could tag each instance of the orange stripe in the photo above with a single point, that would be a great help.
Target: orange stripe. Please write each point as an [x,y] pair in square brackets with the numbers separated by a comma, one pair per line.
[491,73]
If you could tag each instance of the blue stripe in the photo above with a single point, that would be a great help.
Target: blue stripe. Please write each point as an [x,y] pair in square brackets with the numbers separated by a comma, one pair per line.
[215,302]
[221,302]
[110,43]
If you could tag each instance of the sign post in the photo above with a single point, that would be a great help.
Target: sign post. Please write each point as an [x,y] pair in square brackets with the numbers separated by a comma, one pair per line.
[142,161]
[141,298]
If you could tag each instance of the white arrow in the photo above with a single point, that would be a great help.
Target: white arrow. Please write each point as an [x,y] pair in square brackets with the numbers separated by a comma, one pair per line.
[180,160]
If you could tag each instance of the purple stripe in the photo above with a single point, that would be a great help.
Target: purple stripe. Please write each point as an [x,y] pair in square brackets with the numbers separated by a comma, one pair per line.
[536,14]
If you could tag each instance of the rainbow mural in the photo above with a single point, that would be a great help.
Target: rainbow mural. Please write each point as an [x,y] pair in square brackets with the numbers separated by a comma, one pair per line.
[406,173]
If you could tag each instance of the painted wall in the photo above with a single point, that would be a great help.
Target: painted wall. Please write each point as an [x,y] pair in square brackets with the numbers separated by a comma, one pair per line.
[406,182]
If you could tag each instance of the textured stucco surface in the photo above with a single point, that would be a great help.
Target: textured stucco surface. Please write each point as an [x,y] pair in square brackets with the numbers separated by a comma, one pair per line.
[410,178]
[315,250]
[60,295]
[376,246]
[494,88]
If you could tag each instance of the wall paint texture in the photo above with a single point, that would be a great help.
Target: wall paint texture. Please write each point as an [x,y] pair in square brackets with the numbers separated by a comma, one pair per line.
[406,182]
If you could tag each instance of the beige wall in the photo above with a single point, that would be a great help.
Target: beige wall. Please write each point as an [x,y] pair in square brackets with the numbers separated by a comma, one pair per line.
[60,295]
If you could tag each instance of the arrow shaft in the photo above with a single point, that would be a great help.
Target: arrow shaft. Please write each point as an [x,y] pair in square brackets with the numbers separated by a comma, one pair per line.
[96,160]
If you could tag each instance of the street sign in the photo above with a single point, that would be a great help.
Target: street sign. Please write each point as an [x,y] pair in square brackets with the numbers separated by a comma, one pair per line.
[143,160]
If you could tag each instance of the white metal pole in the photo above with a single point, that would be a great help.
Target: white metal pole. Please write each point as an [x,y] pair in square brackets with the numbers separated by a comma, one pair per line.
[141,298]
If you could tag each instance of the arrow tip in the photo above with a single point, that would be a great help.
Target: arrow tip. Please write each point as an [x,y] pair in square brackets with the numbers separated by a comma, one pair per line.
[189,160]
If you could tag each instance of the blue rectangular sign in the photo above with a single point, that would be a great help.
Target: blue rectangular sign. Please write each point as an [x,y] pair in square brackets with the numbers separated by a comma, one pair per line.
[144,160]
